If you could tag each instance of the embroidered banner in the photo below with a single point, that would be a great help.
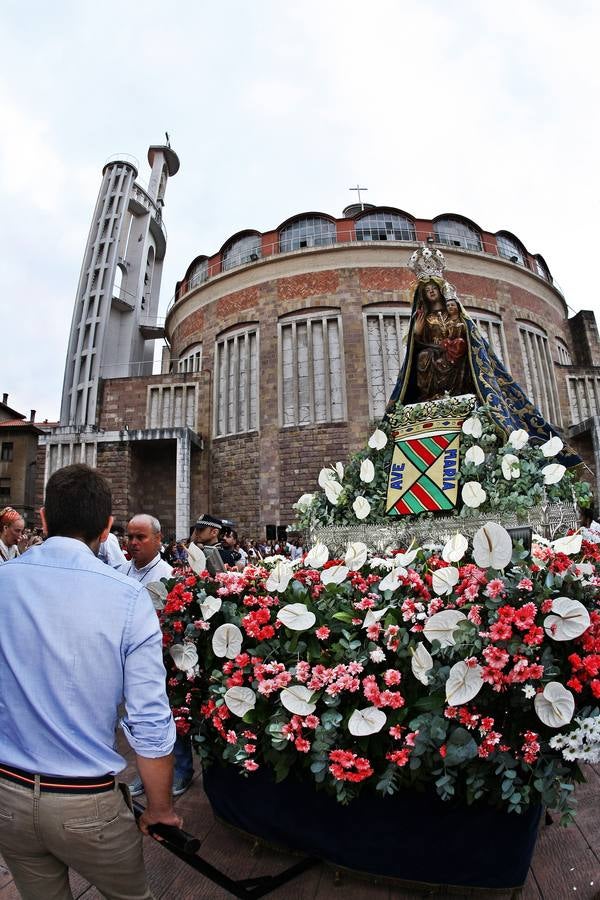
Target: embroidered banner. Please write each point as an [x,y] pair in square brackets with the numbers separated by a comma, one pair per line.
[424,470]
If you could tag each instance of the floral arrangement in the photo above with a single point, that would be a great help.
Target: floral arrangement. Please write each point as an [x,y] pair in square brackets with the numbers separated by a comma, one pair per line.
[472,670]
[497,474]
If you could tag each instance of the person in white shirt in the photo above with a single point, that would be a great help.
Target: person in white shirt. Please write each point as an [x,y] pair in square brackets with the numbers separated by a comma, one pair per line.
[11,533]
[110,552]
[144,538]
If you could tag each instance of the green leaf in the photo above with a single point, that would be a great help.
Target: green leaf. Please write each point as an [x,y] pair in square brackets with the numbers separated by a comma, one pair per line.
[460,747]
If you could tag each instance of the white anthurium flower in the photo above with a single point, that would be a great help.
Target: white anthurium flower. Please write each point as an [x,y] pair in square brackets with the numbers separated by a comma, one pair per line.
[356,555]
[391,582]
[378,440]
[303,502]
[441,626]
[339,468]
[421,664]
[473,494]
[553,473]
[552,447]
[582,570]
[280,576]
[296,617]
[473,426]
[444,580]
[366,721]
[296,699]
[367,471]
[333,489]
[568,545]
[568,619]
[334,574]
[463,683]
[475,455]
[185,656]
[492,546]
[316,557]
[518,438]
[373,616]
[210,606]
[227,641]
[455,548]
[158,592]
[511,466]
[405,559]
[326,475]
[361,507]
[196,558]
[555,706]
[240,700]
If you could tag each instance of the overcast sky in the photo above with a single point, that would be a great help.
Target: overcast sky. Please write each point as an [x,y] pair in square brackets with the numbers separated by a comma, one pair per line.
[484,109]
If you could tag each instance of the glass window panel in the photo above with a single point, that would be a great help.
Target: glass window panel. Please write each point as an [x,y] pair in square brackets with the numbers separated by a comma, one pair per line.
[244,250]
[509,249]
[311,231]
[384,226]
[385,332]
[456,233]
[312,387]
[236,378]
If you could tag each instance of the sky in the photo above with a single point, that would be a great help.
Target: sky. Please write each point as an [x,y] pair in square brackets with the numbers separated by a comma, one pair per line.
[489,110]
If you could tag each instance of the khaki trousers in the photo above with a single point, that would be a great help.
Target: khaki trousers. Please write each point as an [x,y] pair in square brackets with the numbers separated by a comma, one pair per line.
[43,834]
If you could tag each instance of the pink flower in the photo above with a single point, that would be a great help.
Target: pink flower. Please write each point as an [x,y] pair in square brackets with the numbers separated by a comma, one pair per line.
[322,633]
[496,658]
[525,584]
[392,676]
[250,765]
[495,588]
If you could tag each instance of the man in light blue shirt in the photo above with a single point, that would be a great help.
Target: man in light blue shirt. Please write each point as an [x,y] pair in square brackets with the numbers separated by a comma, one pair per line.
[77,639]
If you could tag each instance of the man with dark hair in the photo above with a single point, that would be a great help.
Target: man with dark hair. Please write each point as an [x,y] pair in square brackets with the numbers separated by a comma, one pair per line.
[77,639]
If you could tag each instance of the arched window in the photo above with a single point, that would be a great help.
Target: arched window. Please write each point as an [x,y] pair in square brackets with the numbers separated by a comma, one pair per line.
[508,248]
[312,387]
[542,269]
[564,355]
[539,371]
[386,330]
[311,231]
[191,359]
[385,226]
[242,250]
[236,382]
[198,273]
[491,328]
[456,233]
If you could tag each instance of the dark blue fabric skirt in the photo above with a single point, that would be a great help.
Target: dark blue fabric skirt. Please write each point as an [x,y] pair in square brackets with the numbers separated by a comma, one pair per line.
[410,836]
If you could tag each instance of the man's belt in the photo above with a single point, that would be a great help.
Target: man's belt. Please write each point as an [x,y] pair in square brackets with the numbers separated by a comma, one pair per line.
[58,784]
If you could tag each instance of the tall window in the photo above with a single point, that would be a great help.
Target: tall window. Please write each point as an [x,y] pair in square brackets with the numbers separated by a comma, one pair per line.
[312,370]
[456,233]
[244,250]
[385,334]
[542,269]
[509,249]
[6,454]
[191,359]
[4,491]
[492,330]
[564,355]
[236,382]
[198,273]
[384,226]
[311,231]
[539,371]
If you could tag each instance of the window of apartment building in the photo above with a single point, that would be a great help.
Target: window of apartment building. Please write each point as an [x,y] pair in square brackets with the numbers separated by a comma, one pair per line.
[542,269]
[310,231]
[385,330]
[385,226]
[6,453]
[191,359]
[508,248]
[236,382]
[456,233]
[4,491]
[584,398]
[491,328]
[198,273]
[312,381]
[242,250]
[539,371]
[564,354]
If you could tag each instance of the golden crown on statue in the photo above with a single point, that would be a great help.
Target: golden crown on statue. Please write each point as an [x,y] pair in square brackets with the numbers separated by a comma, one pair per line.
[427,263]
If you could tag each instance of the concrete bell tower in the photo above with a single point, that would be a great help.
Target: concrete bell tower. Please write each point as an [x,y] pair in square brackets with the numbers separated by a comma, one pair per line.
[114,322]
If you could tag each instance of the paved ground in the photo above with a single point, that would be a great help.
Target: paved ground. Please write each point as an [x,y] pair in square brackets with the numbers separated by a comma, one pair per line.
[566,862]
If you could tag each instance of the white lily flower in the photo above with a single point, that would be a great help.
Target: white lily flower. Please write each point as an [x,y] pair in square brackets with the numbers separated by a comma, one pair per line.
[392,582]
[492,546]
[511,466]
[475,455]
[333,489]
[441,626]
[334,574]
[317,556]
[464,682]
[303,502]
[280,576]
[455,548]
[378,440]
[326,475]
[339,468]
[361,507]
[473,426]
[555,706]
[518,438]
[366,721]
[373,616]
[210,606]
[552,447]
[367,471]
[421,664]
[568,619]
[185,656]
[553,473]
[296,616]
[444,580]
[473,494]
[196,558]
[240,700]
[296,699]
[227,641]
[405,559]
[356,555]
[569,544]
